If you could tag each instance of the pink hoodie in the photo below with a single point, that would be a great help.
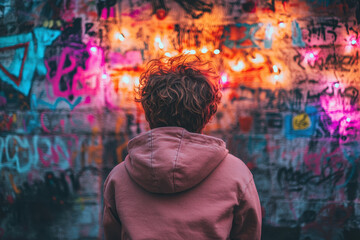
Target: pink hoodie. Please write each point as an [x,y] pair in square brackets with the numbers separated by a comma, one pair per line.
[175,184]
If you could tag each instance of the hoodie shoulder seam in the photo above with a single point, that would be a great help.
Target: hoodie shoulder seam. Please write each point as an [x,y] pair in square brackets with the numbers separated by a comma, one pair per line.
[176,158]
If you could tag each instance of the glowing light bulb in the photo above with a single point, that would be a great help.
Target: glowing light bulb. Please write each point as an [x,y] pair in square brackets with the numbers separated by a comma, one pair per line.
[276,77]
[348,119]
[161,45]
[336,85]
[93,49]
[258,58]
[158,41]
[311,55]
[192,51]
[239,66]
[204,50]
[281,24]
[125,32]
[137,81]
[216,51]
[125,79]
[224,78]
[353,42]
[121,37]
[167,54]
[275,69]
[104,76]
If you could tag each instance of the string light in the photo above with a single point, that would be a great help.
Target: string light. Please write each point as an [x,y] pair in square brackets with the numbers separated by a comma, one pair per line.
[348,119]
[125,79]
[224,78]
[275,69]
[160,44]
[93,49]
[353,42]
[204,50]
[216,51]
[336,85]
[257,58]
[137,81]
[167,54]
[281,24]
[119,36]
[125,32]
[238,67]
[192,51]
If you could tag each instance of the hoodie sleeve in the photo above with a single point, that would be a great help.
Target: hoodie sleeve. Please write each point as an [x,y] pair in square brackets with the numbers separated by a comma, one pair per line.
[111,222]
[247,216]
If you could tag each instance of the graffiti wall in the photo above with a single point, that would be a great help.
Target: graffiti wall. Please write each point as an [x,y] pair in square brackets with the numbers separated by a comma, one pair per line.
[290,108]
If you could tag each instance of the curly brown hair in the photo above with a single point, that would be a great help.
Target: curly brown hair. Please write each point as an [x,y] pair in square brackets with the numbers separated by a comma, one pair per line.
[180,91]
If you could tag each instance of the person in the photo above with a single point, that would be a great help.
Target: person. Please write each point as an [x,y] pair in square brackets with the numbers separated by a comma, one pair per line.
[176,183]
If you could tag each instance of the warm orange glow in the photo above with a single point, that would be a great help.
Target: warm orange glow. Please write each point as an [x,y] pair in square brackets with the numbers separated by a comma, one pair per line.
[119,36]
[159,43]
[204,50]
[258,58]
[238,67]
[136,81]
[224,78]
[125,79]
[275,69]
[125,32]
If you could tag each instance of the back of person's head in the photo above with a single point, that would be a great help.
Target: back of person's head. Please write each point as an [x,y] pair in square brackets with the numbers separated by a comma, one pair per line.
[181,91]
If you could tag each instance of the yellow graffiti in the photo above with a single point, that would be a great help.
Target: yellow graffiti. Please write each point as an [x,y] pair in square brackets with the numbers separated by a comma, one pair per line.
[301,122]
[16,190]
[95,149]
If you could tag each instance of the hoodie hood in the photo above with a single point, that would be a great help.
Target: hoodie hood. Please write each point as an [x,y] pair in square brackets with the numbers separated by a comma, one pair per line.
[171,159]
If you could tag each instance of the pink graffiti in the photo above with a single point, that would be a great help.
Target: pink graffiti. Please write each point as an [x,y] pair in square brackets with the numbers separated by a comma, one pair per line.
[128,59]
[85,81]
[105,15]
[315,162]
[60,126]
[2,101]
[137,13]
[57,153]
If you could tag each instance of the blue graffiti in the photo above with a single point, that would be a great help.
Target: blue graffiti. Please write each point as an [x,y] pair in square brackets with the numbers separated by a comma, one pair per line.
[28,56]
[56,103]
[268,36]
[292,133]
[296,35]
[249,32]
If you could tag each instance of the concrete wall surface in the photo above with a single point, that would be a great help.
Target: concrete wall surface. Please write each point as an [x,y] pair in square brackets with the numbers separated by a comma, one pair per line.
[290,106]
